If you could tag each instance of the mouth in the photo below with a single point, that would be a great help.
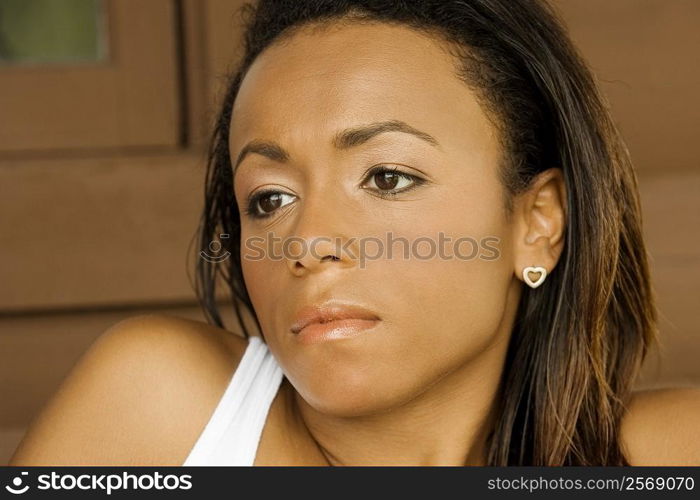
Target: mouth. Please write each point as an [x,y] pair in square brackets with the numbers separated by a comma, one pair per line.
[332,321]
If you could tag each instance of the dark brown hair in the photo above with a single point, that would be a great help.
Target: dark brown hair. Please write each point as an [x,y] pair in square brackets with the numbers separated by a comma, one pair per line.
[580,338]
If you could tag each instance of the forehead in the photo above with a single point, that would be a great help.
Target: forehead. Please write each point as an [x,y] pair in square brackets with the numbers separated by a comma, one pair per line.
[322,80]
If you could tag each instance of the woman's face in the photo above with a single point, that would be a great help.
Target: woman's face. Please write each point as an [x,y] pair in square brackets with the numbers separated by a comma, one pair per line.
[439,309]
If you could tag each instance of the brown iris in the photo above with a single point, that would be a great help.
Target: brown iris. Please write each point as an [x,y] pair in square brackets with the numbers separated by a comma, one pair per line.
[271,202]
[386,180]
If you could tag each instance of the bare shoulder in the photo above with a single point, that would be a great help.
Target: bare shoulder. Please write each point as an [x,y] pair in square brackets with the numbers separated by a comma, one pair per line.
[662,427]
[140,395]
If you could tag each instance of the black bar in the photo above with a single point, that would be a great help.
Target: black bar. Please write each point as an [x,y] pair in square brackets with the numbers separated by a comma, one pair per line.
[365,482]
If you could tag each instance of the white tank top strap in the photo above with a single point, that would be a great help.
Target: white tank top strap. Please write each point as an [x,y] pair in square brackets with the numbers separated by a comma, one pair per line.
[232,435]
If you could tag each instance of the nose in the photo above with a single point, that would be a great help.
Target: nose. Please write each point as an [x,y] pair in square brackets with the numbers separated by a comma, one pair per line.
[321,240]
[317,254]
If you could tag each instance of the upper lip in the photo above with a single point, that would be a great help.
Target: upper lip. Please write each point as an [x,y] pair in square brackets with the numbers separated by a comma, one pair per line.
[329,311]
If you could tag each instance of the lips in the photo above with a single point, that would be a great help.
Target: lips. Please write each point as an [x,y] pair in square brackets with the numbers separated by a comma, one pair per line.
[328,312]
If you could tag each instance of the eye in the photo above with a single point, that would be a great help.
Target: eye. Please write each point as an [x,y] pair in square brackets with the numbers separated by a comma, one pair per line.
[264,203]
[386,181]
[390,181]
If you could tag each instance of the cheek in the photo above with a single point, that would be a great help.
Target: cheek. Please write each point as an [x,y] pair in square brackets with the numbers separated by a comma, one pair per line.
[463,286]
[455,312]
[450,295]
[263,280]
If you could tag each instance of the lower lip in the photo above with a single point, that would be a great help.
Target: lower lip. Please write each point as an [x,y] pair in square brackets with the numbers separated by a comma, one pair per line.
[332,330]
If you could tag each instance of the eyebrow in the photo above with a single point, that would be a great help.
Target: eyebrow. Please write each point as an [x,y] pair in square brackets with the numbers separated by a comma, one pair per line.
[345,139]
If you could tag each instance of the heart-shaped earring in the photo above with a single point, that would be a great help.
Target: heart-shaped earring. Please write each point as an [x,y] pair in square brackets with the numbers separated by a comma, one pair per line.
[534,269]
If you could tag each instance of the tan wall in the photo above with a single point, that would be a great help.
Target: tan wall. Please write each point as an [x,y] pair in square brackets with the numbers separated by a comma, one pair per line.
[90,235]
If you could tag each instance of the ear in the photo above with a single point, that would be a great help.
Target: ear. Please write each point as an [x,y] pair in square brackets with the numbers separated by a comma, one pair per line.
[540,222]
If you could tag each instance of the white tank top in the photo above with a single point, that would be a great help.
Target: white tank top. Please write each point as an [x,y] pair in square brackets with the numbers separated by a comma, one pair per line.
[232,435]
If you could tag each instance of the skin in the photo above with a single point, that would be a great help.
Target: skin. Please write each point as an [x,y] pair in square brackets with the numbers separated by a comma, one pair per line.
[419,388]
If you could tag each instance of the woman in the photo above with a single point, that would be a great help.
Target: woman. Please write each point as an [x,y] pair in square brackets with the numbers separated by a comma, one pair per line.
[433,124]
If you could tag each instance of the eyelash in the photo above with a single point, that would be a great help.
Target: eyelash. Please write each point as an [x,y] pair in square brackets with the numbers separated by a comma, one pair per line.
[252,201]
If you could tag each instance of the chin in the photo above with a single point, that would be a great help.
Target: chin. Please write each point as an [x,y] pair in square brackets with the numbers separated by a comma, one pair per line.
[350,393]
